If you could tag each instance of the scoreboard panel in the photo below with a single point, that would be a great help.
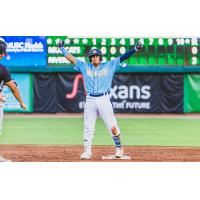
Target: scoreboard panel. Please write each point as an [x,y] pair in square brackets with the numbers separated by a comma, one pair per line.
[156,51]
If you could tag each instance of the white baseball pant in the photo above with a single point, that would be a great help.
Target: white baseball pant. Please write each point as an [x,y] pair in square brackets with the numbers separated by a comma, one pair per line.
[94,107]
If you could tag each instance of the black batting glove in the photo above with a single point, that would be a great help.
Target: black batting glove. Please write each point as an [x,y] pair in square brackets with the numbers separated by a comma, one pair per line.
[61,44]
[138,45]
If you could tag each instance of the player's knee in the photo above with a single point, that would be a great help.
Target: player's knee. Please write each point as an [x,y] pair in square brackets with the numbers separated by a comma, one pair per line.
[115,131]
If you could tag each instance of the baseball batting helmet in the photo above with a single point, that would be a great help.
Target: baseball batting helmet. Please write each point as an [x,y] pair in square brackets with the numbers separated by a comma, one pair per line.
[95,52]
[3,46]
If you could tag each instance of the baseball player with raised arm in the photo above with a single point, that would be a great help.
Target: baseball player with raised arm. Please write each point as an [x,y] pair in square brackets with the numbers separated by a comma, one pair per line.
[5,79]
[97,77]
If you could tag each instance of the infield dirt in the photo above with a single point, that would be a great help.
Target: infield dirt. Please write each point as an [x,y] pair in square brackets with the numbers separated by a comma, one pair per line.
[66,153]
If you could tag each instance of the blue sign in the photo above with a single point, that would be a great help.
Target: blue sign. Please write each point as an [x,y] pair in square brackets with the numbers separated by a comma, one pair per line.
[25,51]
[25,87]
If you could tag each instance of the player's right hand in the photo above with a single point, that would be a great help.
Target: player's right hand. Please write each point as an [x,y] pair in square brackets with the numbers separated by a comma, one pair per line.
[61,43]
[138,45]
[23,106]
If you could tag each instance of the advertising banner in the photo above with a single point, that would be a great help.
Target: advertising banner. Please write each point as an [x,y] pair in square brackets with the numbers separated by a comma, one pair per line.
[130,93]
[24,84]
[171,93]
[45,93]
[135,93]
[25,51]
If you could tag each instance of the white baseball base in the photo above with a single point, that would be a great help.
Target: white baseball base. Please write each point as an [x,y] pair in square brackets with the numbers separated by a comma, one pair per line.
[113,157]
[2,159]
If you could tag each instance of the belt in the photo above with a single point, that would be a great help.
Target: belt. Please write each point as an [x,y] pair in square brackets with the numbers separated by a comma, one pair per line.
[98,95]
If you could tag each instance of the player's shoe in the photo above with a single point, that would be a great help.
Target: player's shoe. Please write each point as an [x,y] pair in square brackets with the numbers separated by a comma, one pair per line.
[86,155]
[2,159]
[119,152]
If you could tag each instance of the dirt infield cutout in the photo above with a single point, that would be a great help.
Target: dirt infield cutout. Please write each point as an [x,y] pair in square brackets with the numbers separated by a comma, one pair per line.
[66,153]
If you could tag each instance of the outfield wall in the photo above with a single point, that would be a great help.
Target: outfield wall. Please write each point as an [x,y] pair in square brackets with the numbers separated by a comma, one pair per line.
[130,93]
[25,85]
[163,77]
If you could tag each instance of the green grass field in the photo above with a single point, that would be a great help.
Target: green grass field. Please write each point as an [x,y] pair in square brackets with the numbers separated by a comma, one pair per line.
[135,131]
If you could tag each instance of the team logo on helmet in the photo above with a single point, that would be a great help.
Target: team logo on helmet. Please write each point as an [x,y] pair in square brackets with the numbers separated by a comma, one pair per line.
[94,51]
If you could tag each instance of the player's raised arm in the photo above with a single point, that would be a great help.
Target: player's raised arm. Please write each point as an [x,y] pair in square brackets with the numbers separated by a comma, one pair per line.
[129,53]
[67,55]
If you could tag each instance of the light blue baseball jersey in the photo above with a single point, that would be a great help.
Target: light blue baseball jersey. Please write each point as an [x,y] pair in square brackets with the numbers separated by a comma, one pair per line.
[98,80]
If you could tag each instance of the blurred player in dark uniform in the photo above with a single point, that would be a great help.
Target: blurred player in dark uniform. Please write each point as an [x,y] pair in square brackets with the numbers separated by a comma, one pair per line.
[5,79]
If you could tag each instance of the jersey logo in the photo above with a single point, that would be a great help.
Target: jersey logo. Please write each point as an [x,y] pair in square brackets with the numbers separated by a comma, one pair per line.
[99,73]
[75,87]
